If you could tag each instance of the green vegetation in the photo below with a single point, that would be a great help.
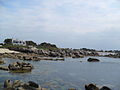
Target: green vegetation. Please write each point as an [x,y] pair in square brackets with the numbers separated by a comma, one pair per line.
[47,46]
[8,41]
[31,43]
[11,46]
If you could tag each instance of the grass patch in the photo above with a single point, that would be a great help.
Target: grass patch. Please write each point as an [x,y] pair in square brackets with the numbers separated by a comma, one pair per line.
[13,46]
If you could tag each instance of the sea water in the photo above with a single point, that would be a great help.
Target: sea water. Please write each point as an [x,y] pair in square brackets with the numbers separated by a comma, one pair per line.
[71,73]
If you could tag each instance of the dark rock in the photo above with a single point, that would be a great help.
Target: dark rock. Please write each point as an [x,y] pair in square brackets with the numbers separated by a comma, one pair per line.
[94,87]
[33,84]
[20,67]
[27,87]
[19,85]
[105,88]
[93,60]
[91,87]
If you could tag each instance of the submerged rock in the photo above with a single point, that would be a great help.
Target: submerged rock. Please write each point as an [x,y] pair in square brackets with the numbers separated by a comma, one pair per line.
[19,85]
[20,67]
[93,60]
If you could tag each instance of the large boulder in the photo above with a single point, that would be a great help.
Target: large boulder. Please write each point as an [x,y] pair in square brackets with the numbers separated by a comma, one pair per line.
[94,87]
[33,84]
[19,85]
[105,88]
[91,87]
[93,60]
[20,67]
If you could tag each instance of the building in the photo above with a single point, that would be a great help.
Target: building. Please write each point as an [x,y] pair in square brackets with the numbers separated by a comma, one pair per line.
[18,42]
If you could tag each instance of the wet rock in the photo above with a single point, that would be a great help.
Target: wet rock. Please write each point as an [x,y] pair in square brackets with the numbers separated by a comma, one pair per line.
[91,87]
[93,60]
[33,84]
[19,85]
[20,67]
[105,88]
[94,87]
[27,87]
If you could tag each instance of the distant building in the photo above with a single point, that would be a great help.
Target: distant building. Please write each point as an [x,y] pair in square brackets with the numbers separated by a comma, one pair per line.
[18,42]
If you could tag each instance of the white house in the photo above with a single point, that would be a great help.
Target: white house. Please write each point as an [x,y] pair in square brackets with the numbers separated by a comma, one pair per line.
[18,42]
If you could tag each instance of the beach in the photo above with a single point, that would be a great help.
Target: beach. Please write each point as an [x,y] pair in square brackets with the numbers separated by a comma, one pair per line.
[4,50]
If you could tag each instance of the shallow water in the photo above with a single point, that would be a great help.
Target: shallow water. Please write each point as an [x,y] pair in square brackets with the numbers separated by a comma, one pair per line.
[71,73]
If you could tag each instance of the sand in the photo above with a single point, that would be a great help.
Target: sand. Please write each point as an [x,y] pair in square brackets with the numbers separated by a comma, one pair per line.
[4,50]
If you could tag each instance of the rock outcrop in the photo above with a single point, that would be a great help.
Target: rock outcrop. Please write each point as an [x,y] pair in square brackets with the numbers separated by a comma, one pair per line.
[93,60]
[19,85]
[20,67]
[94,87]
[91,87]
[30,56]
[105,88]
[59,52]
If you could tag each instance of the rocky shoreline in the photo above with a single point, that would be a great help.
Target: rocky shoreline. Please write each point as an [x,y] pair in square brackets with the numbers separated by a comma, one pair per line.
[30,85]
[67,52]
[53,54]
[75,53]
[29,56]
[41,54]
[18,67]
[20,85]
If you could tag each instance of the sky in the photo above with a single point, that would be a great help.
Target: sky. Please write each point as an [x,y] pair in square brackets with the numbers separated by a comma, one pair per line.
[67,23]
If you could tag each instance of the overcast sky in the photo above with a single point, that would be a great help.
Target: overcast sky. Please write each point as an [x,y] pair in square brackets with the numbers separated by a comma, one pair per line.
[66,23]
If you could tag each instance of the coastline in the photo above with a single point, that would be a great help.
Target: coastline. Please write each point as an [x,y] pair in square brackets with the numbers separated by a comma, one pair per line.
[4,50]
[40,54]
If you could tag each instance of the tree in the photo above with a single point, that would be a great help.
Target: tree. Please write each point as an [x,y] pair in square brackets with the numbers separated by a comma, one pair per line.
[8,41]
[30,43]
[47,46]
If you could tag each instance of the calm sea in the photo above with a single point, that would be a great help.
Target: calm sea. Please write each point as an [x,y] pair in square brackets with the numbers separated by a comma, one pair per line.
[71,73]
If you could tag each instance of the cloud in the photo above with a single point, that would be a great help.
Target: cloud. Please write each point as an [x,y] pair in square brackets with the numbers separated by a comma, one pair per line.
[71,18]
